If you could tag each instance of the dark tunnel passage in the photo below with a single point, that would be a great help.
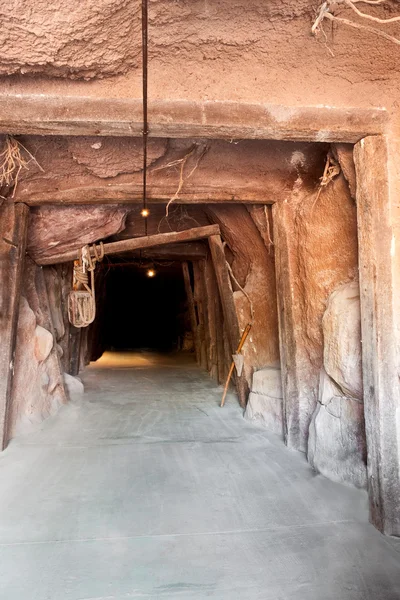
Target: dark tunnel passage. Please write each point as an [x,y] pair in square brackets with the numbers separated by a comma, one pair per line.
[144,307]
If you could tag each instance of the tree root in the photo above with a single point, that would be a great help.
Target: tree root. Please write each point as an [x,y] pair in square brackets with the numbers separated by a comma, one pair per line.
[325,13]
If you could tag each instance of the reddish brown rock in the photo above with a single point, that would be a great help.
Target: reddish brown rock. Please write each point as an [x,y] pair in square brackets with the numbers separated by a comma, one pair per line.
[43,343]
[255,293]
[57,229]
[74,39]
[315,239]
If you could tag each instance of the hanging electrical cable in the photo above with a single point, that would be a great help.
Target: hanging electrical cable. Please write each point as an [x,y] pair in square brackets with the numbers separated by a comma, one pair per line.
[145,211]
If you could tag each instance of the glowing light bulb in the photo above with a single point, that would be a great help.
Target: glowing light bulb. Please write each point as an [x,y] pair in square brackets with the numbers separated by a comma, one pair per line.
[145,212]
[151,273]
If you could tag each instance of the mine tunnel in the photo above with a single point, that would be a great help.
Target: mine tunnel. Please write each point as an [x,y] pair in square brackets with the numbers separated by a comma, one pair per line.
[169,355]
[144,307]
[200,300]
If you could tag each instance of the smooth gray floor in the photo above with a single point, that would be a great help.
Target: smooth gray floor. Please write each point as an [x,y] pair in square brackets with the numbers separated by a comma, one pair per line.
[147,489]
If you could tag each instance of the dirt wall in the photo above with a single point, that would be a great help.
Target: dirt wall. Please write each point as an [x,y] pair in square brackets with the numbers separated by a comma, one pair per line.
[201,51]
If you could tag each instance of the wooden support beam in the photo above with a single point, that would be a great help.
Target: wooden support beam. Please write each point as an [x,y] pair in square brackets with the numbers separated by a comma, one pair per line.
[192,310]
[75,338]
[211,299]
[199,301]
[378,214]
[298,380]
[228,306]
[13,231]
[138,243]
[46,114]
[179,252]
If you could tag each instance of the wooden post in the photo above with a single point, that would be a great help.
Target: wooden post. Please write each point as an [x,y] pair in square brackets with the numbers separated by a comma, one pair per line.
[13,231]
[191,308]
[75,337]
[199,302]
[228,307]
[211,300]
[378,214]
[298,380]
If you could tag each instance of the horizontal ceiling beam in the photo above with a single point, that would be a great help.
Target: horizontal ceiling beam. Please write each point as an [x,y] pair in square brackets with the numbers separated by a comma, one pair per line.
[133,195]
[182,251]
[45,114]
[138,243]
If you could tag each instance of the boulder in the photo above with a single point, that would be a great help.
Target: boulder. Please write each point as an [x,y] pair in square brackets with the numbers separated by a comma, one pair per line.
[341,325]
[74,386]
[265,401]
[43,343]
[36,391]
[336,444]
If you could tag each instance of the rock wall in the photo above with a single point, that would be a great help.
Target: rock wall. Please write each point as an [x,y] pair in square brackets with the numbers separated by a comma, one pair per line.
[265,405]
[74,39]
[337,445]
[38,386]
[253,271]
[53,230]
[316,237]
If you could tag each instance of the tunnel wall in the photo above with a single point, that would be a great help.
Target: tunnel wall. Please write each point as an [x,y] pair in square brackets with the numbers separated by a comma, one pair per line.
[38,385]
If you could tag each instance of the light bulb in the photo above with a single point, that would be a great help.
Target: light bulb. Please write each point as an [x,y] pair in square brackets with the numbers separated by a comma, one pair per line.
[151,273]
[145,212]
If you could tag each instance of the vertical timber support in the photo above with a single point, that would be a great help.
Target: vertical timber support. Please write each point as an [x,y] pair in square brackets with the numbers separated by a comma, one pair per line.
[75,338]
[191,308]
[378,214]
[199,302]
[13,231]
[228,307]
[211,298]
[297,409]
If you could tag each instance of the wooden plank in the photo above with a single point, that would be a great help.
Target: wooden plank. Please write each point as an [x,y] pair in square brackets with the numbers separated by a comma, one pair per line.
[158,239]
[192,310]
[181,252]
[75,338]
[13,232]
[297,408]
[211,300]
[228,306]
[378,216]
[199,300]
[47,114]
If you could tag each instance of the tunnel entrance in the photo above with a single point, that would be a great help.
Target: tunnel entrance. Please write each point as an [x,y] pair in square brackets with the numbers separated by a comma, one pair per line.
[144,307]
[280,254]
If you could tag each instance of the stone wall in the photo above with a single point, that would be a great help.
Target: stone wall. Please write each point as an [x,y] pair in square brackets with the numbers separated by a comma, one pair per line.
[337,445]
[253,281]
[38,386]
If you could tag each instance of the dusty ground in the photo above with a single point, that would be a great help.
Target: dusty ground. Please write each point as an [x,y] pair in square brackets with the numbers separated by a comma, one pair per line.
[147,489]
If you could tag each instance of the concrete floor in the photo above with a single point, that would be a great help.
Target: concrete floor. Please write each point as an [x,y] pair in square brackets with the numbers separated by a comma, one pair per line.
[147,489]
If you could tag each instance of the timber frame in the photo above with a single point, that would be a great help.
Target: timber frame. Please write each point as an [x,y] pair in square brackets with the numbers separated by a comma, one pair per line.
[378,199]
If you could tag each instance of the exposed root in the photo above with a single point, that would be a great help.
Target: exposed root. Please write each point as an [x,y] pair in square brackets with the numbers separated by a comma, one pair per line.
[241,289]
[270,242]
[12,161]
[182,177]
[325,12]
[331,170]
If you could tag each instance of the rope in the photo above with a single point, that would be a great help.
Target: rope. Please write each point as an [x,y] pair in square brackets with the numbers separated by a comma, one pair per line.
[82,300]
